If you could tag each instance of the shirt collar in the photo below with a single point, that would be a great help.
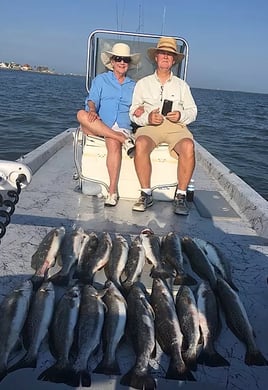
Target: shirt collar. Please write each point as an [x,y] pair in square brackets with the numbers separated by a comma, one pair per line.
[169,79]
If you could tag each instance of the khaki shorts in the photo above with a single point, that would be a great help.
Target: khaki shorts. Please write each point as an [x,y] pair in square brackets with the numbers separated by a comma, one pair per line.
[167,133]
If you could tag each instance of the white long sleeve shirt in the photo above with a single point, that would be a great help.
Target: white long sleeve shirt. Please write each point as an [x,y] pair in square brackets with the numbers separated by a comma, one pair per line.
[150,93]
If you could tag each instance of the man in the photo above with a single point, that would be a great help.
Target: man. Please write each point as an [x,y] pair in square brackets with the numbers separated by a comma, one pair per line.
[171,128]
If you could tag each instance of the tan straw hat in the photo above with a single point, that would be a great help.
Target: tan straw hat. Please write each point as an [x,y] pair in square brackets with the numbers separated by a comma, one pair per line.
[166,44]
[120,50]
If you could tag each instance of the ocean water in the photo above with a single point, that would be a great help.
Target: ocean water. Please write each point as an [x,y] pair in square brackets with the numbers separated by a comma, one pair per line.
[233,126]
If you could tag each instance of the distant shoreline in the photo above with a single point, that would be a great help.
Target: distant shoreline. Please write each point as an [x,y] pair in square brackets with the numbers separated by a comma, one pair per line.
[50,73]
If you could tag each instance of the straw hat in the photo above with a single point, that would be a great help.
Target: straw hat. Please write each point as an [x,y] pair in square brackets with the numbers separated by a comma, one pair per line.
[166,44]
[121,50]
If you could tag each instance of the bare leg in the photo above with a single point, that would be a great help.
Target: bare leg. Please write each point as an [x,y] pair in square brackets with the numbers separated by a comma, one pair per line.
[98,128]
[186,162]
[144,147]
[113,162]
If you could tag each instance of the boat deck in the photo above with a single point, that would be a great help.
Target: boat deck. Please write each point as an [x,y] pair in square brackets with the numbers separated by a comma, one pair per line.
[51,200]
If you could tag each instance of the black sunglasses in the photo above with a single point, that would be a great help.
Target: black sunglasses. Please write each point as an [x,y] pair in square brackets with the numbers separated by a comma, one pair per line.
[126,60]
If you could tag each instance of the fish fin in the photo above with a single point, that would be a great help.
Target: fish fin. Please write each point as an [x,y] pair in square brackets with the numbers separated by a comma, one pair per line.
[107,368]
[143,382]
[25,362]
[212,359]
[185,279]
[57,374]
[255,358]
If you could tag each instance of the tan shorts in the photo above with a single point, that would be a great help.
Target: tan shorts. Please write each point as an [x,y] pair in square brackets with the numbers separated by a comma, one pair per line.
[167,133]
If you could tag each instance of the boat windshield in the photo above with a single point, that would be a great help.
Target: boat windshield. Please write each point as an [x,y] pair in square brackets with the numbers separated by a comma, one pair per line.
[101,40]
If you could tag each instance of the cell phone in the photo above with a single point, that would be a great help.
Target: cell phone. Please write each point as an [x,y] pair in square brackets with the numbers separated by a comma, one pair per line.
[167,107]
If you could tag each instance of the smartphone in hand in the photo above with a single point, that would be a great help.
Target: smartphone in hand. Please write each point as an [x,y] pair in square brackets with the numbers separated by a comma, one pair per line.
[167,107]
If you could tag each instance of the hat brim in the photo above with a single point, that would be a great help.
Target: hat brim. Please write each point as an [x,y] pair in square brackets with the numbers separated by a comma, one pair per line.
[107,55]
[152,51]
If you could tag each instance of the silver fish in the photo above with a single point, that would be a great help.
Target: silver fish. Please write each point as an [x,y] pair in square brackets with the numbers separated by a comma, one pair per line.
[70,249]
[91,318]
[113,329]
[14,310]
[237,320]
[141,328]
[210,325]
[168,332]
[89,247]
[37,324]
[45,256]
[98,259]
[217,259]
[187,312]
[199,261]
[135,263]
[62,337]
[152,246]
[117,261]
[171,253]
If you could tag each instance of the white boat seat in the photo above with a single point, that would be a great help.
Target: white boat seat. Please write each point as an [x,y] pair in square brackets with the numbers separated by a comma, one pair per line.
[93,166]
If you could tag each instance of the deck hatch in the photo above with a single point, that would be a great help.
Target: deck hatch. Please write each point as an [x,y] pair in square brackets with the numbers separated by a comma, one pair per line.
[212,204]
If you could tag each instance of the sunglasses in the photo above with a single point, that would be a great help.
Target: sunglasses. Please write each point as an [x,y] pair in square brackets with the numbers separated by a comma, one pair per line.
[126,60]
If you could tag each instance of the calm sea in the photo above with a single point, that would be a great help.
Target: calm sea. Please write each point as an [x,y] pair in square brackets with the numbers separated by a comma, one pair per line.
[233,126]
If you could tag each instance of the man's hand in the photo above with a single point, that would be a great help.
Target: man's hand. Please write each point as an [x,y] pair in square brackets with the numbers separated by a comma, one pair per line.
[155,118]
[173,116]
[92,116]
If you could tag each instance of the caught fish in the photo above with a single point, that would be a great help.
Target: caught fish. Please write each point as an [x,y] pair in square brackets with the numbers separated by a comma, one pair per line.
[70,249]
[141,328]
[98,259]
[113,329]
[199,261]
[152,244]
[45,256]
[89,247]
[210,325]
[37,324]
[168,332]
[62,337]
[117,261]
[14,310]
[238,322]
[171,252]
[91,318]
[218,260]
[135,263]
[187,312]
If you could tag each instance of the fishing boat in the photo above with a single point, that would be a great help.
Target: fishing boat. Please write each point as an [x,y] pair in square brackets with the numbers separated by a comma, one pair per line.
[63,183]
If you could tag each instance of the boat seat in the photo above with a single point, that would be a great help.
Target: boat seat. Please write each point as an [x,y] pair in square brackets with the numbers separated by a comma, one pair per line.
[93,166]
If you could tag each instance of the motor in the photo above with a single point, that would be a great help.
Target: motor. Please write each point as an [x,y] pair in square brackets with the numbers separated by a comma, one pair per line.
[13,177]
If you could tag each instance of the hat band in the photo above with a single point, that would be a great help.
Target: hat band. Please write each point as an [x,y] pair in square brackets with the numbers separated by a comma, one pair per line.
[166,47]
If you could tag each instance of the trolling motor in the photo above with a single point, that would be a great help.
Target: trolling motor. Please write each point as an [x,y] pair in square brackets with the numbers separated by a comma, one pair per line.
[13,177]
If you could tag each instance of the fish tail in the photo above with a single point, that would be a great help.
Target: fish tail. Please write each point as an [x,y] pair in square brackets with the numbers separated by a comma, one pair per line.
[57,374]
[190,360]
[255,358]
[25,362]
[143,382]
[212,359]
[108,368]
[182,374]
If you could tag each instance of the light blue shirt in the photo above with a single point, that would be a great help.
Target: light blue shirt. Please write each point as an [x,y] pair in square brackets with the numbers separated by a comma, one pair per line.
[112,99]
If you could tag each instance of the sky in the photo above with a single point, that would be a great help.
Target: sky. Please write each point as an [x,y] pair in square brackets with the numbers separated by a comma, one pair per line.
[227,39]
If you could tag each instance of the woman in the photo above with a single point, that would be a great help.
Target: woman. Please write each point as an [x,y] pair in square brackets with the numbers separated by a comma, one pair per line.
[106,111]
